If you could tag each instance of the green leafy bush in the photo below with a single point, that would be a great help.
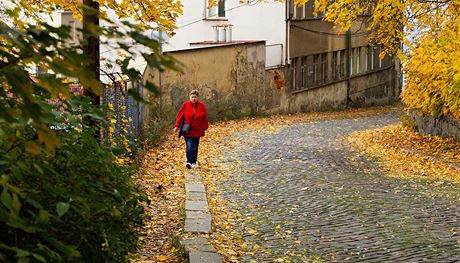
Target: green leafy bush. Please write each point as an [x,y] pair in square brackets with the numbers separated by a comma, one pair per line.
[160,121]
[71,204]
[63,196]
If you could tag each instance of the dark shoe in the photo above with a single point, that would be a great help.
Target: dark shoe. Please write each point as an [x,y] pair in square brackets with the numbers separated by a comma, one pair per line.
[188,165]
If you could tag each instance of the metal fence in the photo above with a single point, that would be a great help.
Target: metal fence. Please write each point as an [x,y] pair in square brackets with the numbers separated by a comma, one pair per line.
[125,113]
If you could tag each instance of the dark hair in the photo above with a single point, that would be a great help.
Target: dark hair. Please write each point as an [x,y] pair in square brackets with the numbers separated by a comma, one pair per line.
[194,92]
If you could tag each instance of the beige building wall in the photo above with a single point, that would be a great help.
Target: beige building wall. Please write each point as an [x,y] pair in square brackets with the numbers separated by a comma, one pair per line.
[314,36]
[329,69]
[231,79]
[330,97]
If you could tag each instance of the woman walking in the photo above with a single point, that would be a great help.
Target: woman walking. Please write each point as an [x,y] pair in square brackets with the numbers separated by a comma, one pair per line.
[192,122]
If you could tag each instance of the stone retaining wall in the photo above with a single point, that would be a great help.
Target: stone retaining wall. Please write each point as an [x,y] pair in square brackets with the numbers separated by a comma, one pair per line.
[446,127]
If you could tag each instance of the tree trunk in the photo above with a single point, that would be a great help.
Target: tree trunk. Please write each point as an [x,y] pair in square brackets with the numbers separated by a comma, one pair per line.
[91,49]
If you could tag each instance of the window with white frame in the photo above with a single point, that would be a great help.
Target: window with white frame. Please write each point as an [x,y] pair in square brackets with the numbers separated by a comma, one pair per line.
[304,11]
[308,9]
[299,12]
[218,10]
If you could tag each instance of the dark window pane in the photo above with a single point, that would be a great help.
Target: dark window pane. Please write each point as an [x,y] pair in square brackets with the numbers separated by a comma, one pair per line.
[221,11]
[310,71]
[324,68]
[376,58]
[309,9]
[299,73]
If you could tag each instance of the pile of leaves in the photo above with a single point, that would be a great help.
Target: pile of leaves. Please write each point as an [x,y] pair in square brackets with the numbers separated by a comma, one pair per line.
[162,177]
[407,154]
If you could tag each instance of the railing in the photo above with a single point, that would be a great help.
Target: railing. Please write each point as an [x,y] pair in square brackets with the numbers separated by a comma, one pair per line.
[273,55]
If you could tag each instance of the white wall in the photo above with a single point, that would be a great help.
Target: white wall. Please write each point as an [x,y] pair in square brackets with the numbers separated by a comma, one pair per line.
[251,21]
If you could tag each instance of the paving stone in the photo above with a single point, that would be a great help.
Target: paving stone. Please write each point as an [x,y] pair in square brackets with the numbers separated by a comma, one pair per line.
[193,179]
[195,196]
[204,257]
[197,214]
[335,201]
[194,241]
[196,205]
[197,244]
[194,188]
[198,225]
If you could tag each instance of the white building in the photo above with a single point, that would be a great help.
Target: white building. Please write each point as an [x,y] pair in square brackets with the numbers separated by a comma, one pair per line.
[232,21]
[229,21]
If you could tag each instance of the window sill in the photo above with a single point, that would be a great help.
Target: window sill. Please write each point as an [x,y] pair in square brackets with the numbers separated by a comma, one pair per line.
[216,19]
[294,19]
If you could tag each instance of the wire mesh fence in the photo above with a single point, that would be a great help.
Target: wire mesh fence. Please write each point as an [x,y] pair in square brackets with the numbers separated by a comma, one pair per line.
[124,114]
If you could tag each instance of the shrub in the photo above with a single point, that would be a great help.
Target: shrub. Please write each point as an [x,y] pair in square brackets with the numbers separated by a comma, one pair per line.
[160,121]
[71,204]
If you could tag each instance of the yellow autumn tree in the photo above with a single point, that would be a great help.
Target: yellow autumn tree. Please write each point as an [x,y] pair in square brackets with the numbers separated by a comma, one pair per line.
[429,32]
[141,12]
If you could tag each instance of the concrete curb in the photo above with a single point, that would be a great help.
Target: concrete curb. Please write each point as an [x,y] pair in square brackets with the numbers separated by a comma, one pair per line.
[197,221]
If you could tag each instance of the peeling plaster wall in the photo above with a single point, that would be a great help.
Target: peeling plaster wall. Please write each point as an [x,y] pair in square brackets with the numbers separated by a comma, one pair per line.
[231,79]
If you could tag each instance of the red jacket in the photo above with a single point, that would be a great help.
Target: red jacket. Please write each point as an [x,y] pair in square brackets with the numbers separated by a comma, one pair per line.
[200,118]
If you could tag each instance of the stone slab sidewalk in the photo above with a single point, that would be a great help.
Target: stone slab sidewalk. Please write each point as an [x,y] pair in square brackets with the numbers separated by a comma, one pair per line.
[198,221]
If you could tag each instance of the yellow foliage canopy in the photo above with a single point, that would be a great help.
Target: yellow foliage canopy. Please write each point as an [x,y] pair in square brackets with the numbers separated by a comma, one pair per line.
[433,73]
[141,12]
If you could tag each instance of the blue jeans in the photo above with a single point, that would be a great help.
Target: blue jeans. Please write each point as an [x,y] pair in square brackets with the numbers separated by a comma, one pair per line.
[191,149]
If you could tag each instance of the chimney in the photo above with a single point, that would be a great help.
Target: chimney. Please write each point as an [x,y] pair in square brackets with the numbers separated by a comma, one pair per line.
[229,38]
[216,36]
[224,33]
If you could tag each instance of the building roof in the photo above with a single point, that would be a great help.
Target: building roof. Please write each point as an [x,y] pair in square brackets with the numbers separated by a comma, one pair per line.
[213,44]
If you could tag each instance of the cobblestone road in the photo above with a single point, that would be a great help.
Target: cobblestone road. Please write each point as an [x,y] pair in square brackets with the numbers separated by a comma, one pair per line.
[303,194]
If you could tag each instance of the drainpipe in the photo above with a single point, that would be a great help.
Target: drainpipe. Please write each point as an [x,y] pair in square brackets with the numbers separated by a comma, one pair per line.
[288,25]
[287,43]
[160,39]
[216,37]
[205,9]
[229,39]
[348,68]
[225,34]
